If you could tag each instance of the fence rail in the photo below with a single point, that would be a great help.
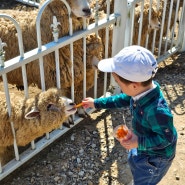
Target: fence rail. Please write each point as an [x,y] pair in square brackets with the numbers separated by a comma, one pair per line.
[35,3]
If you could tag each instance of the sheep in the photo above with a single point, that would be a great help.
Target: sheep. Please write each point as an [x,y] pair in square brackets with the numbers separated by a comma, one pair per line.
[32,117]
[80,8]
[102,13]
[27,24]
[147,25]
[167,17]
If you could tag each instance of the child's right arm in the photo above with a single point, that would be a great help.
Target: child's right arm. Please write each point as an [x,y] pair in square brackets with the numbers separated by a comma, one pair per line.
[116,101]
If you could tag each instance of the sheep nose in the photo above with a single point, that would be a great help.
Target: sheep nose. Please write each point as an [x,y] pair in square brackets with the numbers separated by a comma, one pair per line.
[72,104]
[87,11]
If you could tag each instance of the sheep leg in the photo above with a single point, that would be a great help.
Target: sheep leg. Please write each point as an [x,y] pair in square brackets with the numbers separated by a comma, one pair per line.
[69,122]
[82,113]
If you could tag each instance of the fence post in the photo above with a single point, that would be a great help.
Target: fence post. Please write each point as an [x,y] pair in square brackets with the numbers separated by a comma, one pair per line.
[118,40]
[181,30]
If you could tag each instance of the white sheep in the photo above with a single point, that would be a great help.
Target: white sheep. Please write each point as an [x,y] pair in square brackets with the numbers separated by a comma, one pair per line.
[32,117]
[27,23]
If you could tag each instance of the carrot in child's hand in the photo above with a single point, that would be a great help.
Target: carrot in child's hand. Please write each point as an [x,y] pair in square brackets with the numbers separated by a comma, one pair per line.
[79,105]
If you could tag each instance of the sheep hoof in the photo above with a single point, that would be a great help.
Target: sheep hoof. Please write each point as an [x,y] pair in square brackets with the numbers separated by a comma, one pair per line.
[20,87]
[66,125]
[84,115]
[72,123]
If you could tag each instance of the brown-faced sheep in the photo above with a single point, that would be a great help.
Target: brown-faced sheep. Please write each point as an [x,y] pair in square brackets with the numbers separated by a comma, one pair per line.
[162,8]
[147,25]
[27,24]
[32,117]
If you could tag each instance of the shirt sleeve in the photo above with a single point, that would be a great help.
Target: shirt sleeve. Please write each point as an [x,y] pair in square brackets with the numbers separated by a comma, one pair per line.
[116,101]
[162,132]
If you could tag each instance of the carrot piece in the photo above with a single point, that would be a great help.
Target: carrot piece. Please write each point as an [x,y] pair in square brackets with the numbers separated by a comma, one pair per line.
[79,105]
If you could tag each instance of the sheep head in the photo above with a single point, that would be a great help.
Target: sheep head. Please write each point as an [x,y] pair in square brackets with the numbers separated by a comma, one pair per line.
[154,23]
[51,104]
[80,8]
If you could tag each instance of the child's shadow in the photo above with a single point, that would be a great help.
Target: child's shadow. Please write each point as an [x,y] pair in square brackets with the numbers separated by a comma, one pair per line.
[113,157]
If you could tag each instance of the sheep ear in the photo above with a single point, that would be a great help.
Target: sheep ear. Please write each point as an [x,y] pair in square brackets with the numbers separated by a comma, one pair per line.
[34,113]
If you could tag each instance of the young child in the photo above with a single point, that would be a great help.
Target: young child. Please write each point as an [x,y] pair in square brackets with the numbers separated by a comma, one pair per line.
[153,142]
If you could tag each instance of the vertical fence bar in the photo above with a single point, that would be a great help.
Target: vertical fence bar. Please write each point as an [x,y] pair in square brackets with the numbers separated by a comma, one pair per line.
[140,23]
[181,33]
[168,26]
[118,40]
[84,60]
[5,82]
[130,25]
[162,27]
[175,23]
[149,18]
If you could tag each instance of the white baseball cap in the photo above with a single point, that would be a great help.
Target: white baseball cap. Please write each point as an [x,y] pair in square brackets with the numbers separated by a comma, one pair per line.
[133,63]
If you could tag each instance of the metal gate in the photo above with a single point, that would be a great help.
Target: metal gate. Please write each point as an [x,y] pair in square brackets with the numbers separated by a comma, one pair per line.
[119,19]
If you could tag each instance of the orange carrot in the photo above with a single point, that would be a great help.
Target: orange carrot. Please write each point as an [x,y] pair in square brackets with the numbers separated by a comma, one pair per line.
[79,105]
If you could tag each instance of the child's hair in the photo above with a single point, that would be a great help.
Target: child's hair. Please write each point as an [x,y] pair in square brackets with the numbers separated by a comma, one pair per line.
[144,84]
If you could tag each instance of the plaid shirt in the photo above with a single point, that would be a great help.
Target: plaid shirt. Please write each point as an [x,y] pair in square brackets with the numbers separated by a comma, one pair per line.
[152,121]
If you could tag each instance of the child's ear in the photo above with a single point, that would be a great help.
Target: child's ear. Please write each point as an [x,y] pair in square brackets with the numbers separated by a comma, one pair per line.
[135,85]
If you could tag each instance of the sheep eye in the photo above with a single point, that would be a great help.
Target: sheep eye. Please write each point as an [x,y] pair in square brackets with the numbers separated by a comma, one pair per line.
[49,106]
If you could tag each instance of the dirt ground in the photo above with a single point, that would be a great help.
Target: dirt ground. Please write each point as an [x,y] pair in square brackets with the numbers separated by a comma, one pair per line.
[172,79]
[110,158]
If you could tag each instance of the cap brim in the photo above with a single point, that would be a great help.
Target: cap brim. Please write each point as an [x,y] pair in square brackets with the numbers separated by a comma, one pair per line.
[106,65]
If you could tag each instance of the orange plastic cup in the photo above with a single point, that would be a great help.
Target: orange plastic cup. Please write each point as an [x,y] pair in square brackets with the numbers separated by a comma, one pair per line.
[122,132]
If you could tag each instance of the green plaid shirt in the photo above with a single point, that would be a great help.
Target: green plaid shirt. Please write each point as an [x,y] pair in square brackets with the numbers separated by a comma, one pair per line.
[152,121]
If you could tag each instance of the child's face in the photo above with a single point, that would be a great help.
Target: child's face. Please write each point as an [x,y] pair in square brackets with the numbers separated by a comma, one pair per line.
[131,89]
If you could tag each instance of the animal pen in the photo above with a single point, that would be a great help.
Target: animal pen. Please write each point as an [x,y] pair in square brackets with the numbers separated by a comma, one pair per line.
[116,30]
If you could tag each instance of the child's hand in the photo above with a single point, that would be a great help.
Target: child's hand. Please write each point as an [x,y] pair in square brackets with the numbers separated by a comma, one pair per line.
[131,143]
[88,102]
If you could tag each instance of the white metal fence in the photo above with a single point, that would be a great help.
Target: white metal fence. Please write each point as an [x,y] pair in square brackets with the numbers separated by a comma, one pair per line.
[35,3]
[119,25]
